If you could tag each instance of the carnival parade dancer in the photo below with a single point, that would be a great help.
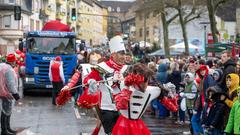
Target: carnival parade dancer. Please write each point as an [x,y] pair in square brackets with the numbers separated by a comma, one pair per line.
[109,70]
[133,100]
[86,100]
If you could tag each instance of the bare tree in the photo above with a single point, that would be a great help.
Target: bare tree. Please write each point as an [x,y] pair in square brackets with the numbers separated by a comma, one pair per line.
[212,6]
[195,11]
[162,7]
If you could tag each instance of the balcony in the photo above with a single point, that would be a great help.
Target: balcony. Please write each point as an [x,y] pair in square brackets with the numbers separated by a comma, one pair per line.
[60,2]
[11,34]
[71,4]
[47,11]
[69,20]
[79,22]
[59,16]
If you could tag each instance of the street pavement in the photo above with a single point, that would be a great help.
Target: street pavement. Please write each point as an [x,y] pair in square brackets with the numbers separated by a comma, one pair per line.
[40,117]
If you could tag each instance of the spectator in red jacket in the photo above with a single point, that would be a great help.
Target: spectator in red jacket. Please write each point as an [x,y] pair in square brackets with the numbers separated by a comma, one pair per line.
[56,76]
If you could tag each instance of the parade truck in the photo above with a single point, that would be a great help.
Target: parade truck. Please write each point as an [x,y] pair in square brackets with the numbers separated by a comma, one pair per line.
[40,48]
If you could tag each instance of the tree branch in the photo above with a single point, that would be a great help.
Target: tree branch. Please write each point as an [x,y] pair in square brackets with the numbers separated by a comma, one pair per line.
[191,13]
[171,19]
[195,17]
[216,5]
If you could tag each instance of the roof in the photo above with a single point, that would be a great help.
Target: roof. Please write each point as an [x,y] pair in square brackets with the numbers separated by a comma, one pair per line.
[124,6]
[227,11]
[89,2]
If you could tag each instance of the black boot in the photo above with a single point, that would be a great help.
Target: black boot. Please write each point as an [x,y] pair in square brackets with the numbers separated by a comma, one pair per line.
[8,125]
[4,125]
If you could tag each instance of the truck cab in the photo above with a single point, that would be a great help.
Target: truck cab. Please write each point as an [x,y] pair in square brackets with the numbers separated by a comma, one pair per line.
[43,46]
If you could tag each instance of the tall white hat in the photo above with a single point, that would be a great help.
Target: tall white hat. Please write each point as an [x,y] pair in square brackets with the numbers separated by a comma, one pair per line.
[116,44]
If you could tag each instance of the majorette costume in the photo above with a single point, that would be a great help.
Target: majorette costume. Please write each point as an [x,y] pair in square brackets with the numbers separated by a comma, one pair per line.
[132,103]
[107,71]
[101,95]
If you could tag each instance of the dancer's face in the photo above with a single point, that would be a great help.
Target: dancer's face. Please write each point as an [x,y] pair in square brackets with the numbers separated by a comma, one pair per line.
[119,58]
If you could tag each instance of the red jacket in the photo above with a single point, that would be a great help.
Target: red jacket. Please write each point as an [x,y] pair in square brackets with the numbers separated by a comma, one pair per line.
[56,72]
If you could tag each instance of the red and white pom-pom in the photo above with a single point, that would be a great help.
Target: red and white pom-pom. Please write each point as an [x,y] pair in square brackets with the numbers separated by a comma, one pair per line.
[170,104]
[122,99]
[134,79]
[63,97]
[87,100]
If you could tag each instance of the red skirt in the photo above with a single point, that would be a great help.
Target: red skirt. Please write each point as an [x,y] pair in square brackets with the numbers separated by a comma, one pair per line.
[125,126]
[87,100]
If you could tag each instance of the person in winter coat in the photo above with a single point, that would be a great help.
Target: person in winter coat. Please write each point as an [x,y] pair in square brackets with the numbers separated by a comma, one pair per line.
[233,125]
[201,103]
[229,66]
[189,94]
[8,92]
[162,78]
[175,78]
[206,82]
[162,73]
[214,122]
[56,76]
[232,83]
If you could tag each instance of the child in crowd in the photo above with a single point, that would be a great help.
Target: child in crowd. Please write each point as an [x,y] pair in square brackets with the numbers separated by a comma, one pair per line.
[213,124]
[189,94]
[233,125]
[232,82]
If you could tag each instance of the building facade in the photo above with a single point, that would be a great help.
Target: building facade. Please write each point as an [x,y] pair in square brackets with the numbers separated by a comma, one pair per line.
[238,20]
[117,16]
[10,29]
[149,30]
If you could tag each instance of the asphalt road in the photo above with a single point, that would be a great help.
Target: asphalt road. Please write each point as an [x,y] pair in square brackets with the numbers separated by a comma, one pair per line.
[38,116]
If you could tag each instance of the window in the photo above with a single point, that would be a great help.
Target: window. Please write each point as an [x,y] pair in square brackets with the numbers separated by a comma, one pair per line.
[155,30]
[140,17]
[118,9]
[147,15]
[10,1]
[20,25]
[155,13]
[109,9]
[147,31]
[140,32]
[1,19]
[31,24]
[37,25]
[7,21]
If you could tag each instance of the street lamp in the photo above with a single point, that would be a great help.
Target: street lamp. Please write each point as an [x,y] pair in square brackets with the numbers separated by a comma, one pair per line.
[205,34]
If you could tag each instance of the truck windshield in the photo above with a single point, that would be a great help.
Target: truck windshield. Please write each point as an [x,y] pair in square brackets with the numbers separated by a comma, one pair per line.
[48,45]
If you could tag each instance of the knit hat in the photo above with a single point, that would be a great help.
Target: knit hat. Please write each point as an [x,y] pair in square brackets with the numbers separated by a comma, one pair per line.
[218,72]
[58,58]
[191,76]
[11,58]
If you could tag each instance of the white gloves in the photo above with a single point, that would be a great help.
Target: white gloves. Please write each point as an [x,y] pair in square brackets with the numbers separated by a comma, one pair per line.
[182,94]
[65,88]
[117,76]
[92,86]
